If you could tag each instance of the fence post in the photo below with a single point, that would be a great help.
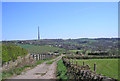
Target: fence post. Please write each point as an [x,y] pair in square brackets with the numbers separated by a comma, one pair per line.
[83,63]
[33,56]
[69,61]
[94,66]
[45,56]
[39,57]
[72,61]
[76,63]
[36,56]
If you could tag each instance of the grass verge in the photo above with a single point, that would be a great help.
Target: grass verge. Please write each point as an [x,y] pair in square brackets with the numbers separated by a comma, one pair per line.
[17,71]
[50,62]
[61,70]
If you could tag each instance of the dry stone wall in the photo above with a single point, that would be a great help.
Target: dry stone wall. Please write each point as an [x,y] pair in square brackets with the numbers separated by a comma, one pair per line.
[83,73]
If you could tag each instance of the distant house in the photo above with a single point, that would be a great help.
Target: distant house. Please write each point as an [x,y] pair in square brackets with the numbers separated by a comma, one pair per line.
[101,53]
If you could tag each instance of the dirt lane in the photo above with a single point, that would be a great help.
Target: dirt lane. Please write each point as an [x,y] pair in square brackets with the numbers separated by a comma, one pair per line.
[42,71]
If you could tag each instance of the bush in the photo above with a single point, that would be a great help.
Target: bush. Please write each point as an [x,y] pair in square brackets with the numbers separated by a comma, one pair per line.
[11,52]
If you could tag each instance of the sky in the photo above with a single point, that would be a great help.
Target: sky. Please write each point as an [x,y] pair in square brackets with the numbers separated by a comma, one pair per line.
[59,20]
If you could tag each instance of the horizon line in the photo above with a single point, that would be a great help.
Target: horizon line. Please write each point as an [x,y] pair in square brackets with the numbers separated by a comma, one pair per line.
[61,38]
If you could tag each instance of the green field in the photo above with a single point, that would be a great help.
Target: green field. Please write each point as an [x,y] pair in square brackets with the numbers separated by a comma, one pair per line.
[107,67]
[41,49]
[75,51]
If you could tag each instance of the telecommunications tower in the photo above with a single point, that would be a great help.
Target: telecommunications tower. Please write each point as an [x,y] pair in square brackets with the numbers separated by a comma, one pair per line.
[38,34]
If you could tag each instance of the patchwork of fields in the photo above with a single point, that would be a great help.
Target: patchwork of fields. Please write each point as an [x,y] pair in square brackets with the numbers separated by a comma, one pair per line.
[71,49]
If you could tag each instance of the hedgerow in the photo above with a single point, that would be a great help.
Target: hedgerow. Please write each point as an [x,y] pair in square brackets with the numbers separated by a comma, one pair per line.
[11,52]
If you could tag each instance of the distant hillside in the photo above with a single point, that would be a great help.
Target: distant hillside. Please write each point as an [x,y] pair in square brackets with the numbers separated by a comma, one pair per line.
[83,44]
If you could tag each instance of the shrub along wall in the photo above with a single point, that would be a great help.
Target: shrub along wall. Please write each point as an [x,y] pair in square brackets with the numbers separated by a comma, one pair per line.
[11,52]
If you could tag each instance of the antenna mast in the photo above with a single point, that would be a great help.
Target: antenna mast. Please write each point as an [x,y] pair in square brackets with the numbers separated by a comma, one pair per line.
[38,34]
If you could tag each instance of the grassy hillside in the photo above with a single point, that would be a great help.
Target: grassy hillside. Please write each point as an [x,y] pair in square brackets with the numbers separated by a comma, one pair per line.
[107,67]
[41,49]
[11,52]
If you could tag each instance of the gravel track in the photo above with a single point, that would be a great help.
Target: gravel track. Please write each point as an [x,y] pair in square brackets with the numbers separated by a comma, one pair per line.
[42,71]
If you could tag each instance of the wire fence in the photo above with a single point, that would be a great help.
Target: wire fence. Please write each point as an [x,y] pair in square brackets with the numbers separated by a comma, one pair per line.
[84,70]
